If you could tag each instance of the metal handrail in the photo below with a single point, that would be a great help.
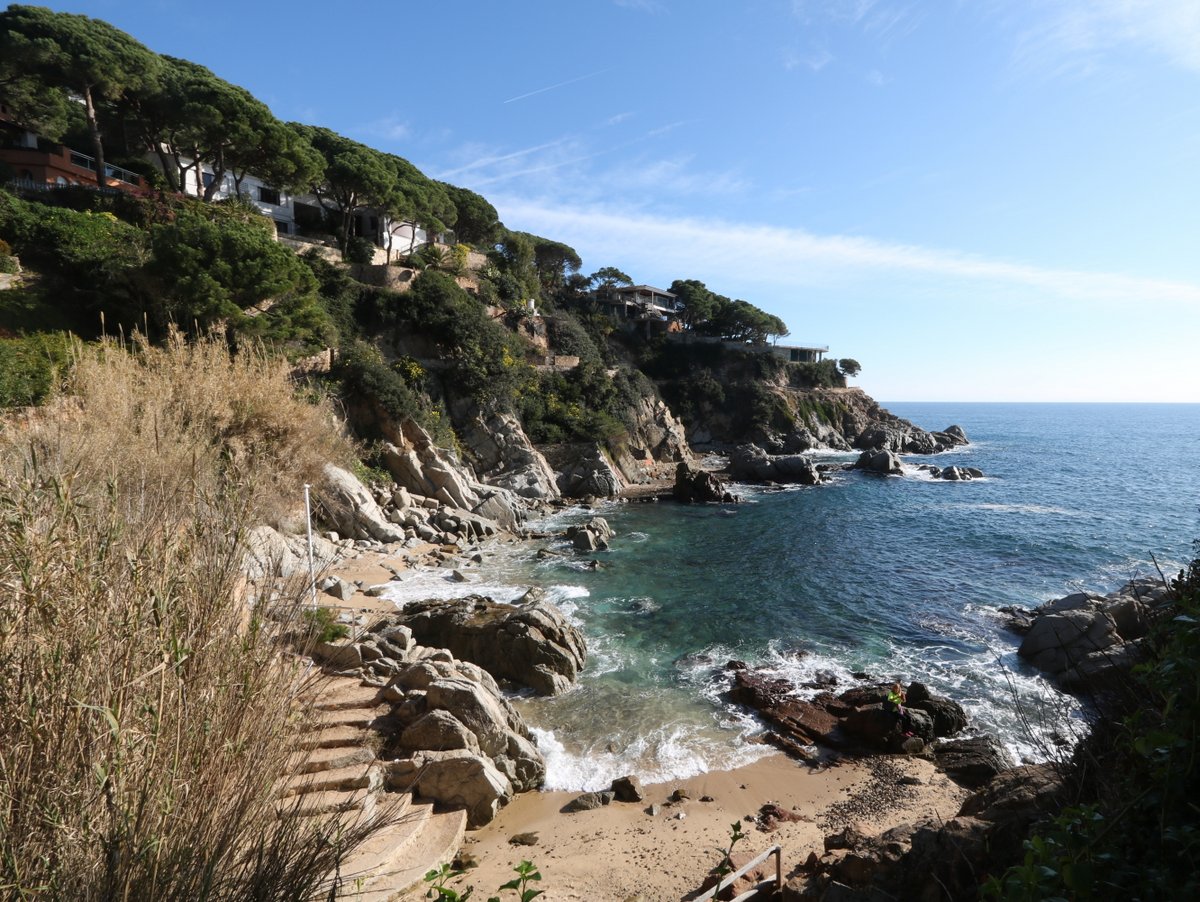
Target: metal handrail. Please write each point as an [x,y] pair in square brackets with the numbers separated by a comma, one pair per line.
[729,879]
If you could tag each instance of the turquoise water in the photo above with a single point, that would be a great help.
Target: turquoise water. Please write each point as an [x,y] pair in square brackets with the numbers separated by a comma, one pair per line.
[897,577]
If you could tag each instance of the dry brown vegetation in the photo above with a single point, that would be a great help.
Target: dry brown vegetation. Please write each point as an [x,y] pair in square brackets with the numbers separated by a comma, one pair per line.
[144,716]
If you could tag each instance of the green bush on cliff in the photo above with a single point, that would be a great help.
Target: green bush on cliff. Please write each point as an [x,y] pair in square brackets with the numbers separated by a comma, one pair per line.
[207,270]
[821,374]
[1135,832]
[31,366]
[487,362]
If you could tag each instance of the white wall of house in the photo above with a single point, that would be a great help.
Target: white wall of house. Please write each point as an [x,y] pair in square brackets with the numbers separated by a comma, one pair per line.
[279,205]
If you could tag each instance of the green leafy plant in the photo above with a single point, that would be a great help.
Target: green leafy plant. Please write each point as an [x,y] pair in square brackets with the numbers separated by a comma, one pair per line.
[321,625]
[438,879]
[527,873]
[725,865]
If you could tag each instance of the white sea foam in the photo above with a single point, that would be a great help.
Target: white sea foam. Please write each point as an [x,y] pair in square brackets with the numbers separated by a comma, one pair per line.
[426,584]
[673,752]
[999,694]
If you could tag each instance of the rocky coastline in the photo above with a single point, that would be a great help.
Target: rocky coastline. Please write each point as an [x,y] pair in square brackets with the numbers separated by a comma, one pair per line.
[443,668]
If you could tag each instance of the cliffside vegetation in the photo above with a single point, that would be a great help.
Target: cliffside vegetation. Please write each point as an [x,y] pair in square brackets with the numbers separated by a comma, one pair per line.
[144,715]
[110,262]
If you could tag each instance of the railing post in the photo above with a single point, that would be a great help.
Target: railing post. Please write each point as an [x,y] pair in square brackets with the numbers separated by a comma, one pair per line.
[312,574]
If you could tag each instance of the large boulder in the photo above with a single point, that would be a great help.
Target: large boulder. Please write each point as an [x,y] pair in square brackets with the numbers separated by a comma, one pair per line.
[884,462]
[487,716]
[271,553]
[530,643]
[902,437]
[694,485]
[1057,642]
[972,762]
[504,455]
[438,730]
[456,778]
[587,471]
[350,507]
[590,536]
[750,463]
[1087,641]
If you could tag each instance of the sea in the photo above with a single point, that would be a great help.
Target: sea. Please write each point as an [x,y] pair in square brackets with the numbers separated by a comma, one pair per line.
[888,577]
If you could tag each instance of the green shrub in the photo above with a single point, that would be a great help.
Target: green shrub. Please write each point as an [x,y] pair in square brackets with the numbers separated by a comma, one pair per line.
[205,270]
[31,366]
[321,625]
[487,361]
[822,374]
[359,250]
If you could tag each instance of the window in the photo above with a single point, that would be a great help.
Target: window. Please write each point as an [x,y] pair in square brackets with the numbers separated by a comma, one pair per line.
[282,227]
[268,195]
[208,178]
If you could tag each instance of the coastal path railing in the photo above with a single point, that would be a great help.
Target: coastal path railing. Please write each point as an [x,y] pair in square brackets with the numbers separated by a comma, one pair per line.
[770,887]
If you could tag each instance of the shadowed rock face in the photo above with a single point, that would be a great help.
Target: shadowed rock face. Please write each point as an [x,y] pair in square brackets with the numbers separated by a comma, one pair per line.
[853,721]
[530,643]
[696,486]
[752,464]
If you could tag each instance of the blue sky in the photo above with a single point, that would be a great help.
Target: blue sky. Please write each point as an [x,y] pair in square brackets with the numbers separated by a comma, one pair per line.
[977,199]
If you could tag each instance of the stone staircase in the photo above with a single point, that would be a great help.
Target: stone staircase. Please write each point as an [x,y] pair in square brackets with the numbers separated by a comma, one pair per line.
[342,776]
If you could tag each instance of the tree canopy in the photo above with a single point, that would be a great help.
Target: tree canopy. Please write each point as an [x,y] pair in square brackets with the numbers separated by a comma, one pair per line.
[714,314]
[73,53]
[477,223]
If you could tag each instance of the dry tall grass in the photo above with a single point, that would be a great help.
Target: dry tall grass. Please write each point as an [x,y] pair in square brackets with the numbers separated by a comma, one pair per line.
[143,712]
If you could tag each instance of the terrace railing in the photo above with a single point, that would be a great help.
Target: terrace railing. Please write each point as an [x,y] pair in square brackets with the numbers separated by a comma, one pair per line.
[83,161]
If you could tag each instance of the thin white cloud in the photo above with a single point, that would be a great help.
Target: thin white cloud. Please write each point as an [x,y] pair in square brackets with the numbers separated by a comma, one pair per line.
[664,129]
[494,159]
[618,119]
[816,60]
[554,87]
[1075,36]
[757,255]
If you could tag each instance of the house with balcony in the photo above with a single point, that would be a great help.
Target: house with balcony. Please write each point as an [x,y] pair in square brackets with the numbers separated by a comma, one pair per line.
[40,164]
[299,214]
[641,306]
[799,353]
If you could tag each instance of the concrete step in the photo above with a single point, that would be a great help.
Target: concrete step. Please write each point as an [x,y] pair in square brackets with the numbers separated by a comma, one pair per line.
[327,737]
[336,758]
[361,718]
[367,776]
[331,801]
[340,698]
[381,873]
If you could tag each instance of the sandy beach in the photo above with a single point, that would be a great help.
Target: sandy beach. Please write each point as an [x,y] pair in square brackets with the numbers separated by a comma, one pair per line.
[623,852]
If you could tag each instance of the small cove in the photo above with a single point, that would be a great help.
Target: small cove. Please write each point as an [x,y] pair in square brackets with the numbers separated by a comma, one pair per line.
[898,578]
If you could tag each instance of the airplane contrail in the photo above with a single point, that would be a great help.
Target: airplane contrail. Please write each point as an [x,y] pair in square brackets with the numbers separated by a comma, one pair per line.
[561,84]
